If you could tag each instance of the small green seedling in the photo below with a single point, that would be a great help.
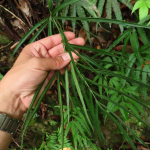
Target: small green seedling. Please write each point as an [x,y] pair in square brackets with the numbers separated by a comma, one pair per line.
[143,6]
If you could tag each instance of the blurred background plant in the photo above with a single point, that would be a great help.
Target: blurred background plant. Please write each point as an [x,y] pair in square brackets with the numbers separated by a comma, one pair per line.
[143,6]
[104,99]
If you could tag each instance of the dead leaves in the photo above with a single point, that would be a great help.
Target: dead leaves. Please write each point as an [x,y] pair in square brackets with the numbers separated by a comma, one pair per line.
[43,108]
[141,147]
[83,34]
[129,49]
[24,7]
[18,23]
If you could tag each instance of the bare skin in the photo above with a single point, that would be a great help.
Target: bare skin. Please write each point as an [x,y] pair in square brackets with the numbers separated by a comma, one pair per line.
[18,86]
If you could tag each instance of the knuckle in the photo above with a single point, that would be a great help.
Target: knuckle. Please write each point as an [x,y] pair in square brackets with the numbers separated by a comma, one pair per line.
[36,46]
[40,49]
[58,62]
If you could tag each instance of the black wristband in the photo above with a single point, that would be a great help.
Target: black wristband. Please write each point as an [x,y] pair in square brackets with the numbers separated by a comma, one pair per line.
[8,124]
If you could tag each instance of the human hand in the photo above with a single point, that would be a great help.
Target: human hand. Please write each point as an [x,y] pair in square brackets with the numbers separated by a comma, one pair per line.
[18,86]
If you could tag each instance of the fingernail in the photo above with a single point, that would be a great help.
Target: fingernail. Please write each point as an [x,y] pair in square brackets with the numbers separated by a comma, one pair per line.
[66,56]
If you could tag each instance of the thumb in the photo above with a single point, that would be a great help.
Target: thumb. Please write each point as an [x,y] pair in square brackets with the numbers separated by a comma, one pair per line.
[54,63]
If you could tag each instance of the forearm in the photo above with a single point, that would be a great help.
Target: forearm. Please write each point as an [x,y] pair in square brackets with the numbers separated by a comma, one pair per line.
[8,105]
[5,139]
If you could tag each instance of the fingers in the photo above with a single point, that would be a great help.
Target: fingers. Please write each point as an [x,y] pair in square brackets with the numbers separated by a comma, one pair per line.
[51,41]
[54,63]
[39,48]
[57,50]
[33,50]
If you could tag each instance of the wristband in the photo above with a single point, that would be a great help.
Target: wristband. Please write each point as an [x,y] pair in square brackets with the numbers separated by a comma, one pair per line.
[8,124]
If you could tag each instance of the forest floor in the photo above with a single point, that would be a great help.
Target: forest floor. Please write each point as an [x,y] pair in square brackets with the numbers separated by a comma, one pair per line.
[16,18]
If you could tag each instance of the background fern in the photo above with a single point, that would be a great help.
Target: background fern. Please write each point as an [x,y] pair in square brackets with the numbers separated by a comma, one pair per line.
[94,8]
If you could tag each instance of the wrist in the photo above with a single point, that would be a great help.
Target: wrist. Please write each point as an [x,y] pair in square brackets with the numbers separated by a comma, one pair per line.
[10,104]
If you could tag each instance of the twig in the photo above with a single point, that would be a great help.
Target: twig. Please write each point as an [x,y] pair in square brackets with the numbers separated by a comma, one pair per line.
[18,144]
[13,46]
[121,145]
[4,33]
[6,45]
[12,14]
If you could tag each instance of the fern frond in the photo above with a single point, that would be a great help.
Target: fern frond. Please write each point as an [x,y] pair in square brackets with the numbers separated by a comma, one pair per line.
[90,7]
[135,44]
[81,13]
[144,80]
[73,9]
[65,12]
[57,3]
[126,33]
[53,141]
[127,3]
[109,9]
[132,60]
[101,6]
[117,11]
[143,35]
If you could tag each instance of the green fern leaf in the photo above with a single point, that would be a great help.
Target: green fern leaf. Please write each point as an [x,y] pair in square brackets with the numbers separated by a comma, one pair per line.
[65,12]
[74,134]
[137,5]
[73,9]
[81,13]
[135,44]
[133,109]
[127,3]
[100,87]
[68,126]
[108,9]
[90,7]
[143,36]
[126,33]
[144,80]
[101,6]
[57,3]
[147,3]
[143,11]
[132,60]
[114,98]
[116,8]
[136,105]
[123,112]
[144,20]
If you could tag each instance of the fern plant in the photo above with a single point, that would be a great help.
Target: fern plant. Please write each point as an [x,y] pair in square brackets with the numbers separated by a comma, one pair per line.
[143,6]
[77,127]
[93,8]
[116,85]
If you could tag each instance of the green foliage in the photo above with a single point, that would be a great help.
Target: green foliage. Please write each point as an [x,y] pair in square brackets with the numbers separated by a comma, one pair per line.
[53,140]
[118,78]
[93,8]
[1,76]
[143,6]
